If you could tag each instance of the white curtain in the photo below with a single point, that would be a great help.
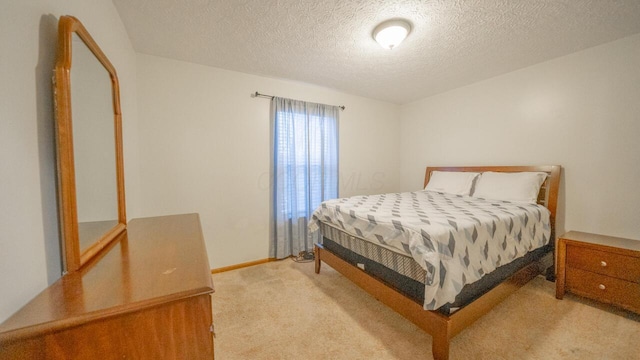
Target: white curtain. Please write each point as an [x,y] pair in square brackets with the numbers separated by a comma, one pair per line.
[304,170]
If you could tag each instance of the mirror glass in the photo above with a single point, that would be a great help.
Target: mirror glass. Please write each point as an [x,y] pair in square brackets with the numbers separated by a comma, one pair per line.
[93,145]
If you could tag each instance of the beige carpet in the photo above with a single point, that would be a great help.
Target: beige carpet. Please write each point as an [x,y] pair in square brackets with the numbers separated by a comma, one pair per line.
[283,310]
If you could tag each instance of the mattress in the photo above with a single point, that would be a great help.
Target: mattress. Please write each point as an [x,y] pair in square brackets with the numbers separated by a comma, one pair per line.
[455,239]
[400,272]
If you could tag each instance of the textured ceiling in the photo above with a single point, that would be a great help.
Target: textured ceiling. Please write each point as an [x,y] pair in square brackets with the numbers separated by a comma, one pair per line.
[452,43]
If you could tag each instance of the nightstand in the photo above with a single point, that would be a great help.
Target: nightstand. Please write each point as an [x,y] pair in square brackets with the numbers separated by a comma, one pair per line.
[599,267]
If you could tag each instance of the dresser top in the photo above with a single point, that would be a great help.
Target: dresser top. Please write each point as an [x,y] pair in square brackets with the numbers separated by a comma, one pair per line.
[156,260]
[604,240]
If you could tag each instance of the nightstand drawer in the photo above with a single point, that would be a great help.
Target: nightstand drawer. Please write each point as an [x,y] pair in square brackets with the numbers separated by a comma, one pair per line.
[606,263]
[604,288]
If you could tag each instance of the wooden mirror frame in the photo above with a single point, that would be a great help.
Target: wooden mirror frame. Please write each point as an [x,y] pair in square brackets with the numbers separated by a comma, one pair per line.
[74,259]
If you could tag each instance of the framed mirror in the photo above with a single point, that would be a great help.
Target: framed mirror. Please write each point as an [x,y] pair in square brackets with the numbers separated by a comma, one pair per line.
[89,145]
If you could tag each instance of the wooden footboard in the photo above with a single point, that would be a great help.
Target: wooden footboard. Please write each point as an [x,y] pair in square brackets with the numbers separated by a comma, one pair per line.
[441,327]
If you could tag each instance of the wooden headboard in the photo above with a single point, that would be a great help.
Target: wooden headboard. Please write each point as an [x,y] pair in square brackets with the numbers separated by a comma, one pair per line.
[548,195]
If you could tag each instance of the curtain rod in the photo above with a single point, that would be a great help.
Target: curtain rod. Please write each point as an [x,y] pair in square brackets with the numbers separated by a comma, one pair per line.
[257,94]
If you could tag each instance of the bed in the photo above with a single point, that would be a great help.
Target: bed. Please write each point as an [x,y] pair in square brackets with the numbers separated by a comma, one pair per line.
[442,259]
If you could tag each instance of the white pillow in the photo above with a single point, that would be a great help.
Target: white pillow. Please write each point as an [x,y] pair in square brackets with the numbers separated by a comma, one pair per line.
[451,182]
[519,186]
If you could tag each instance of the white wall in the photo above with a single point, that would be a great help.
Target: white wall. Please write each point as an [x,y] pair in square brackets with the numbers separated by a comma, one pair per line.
[29,232]
[581,111]
[204,147]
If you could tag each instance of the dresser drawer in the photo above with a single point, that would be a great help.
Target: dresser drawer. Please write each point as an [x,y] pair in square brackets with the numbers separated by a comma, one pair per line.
[604,288]
[606,263]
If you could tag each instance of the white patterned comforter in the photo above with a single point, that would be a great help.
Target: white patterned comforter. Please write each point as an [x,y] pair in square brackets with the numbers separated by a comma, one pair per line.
[456,239]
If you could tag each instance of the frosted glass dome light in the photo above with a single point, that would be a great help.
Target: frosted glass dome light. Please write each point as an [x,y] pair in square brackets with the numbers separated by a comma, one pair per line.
[391,33]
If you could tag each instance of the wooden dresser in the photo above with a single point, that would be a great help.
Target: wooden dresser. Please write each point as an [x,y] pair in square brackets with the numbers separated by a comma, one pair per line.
[148,296]
[599,267]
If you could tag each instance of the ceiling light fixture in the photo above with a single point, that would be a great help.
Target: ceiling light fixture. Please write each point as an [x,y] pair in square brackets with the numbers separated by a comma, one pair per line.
[391,33]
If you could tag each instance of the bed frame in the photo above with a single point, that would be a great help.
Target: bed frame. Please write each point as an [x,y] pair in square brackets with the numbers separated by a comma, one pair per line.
[444,327]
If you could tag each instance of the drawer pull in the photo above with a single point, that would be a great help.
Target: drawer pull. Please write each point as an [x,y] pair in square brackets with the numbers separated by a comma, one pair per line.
[602,287]
[603,263]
